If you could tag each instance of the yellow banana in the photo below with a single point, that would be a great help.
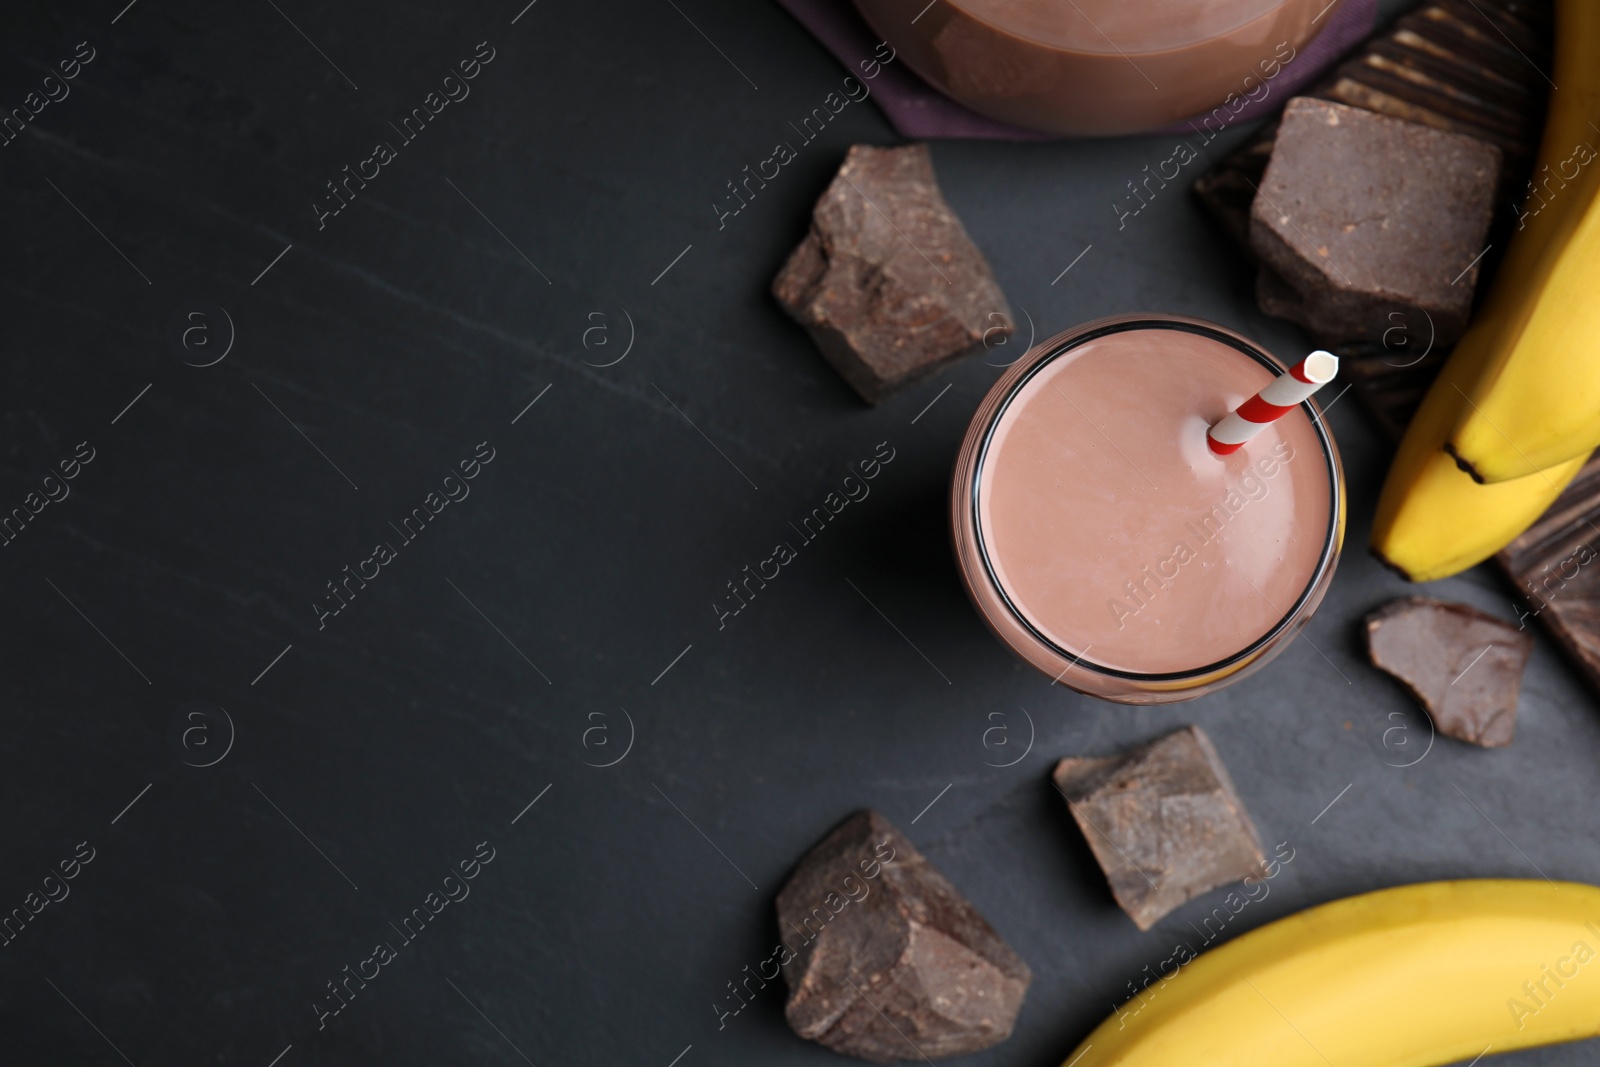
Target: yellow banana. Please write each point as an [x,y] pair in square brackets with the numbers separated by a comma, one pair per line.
[1433,520]
[1535,399]
[1409,977]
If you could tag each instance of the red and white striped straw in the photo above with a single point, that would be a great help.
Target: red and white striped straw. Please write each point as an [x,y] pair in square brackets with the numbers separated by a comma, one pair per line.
[1272,403]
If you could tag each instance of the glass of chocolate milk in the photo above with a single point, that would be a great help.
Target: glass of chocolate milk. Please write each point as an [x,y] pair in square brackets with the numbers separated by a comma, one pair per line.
[1107,545]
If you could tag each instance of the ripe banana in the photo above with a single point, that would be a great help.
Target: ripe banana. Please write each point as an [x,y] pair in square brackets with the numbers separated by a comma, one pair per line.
[1433,520]
[1409,977]
[1535,401]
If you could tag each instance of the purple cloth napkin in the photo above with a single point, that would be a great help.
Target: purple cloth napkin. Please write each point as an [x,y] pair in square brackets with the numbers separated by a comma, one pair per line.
[919,111]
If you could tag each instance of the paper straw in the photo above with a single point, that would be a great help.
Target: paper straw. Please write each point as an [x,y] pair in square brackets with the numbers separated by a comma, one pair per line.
[1272,403]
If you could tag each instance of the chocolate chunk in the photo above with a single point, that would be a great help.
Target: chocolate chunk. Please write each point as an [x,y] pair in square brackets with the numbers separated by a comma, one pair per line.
[1475,68]
[1360,217]
[1163,820]
[1552,566]
[890,962]
[887,282]
[1463,666]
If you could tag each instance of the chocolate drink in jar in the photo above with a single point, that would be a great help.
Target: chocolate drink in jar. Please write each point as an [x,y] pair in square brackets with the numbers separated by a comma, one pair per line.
[1099,67]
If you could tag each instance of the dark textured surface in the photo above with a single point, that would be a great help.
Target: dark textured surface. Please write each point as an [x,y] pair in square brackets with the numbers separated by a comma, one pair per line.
[1164,822]
[1463,665]
[886,281]
[884,958]
[598,542]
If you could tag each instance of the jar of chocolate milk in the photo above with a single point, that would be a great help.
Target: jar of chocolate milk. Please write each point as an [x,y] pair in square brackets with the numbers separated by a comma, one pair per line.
[1100,67]
[1106,544]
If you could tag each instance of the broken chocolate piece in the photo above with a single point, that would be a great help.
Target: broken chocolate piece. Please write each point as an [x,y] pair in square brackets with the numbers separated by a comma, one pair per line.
[1550,566]
[887,282]
[1463,666]
[890,961]
[1163,820]
[1362,219]
[1467,66]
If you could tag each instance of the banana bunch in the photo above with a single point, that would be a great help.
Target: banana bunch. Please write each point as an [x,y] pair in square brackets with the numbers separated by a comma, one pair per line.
[1409,977]
[1518,403]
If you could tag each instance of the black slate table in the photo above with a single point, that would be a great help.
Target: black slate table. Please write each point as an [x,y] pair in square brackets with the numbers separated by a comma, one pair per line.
[259,777]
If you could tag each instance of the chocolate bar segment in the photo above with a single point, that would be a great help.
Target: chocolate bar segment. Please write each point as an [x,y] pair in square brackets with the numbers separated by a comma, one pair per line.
[1555,565]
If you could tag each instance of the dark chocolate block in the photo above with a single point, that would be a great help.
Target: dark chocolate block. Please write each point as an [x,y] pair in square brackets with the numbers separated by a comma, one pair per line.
[1163,820]
[1360,216]
[890,961]
[1555,566]
[887,282]
[1467,66]
[1463,666]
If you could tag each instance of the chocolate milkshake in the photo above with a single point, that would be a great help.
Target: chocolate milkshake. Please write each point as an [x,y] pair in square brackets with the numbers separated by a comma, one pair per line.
[1107,545]
[1099,66]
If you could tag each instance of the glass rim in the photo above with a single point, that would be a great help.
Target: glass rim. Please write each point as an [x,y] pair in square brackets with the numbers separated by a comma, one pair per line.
[1075,337]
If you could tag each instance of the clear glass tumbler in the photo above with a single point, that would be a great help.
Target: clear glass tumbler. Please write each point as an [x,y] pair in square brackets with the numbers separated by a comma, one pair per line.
[1105,544]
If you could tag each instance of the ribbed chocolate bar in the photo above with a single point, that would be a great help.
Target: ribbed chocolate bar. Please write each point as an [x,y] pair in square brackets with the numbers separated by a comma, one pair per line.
[1555,566]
